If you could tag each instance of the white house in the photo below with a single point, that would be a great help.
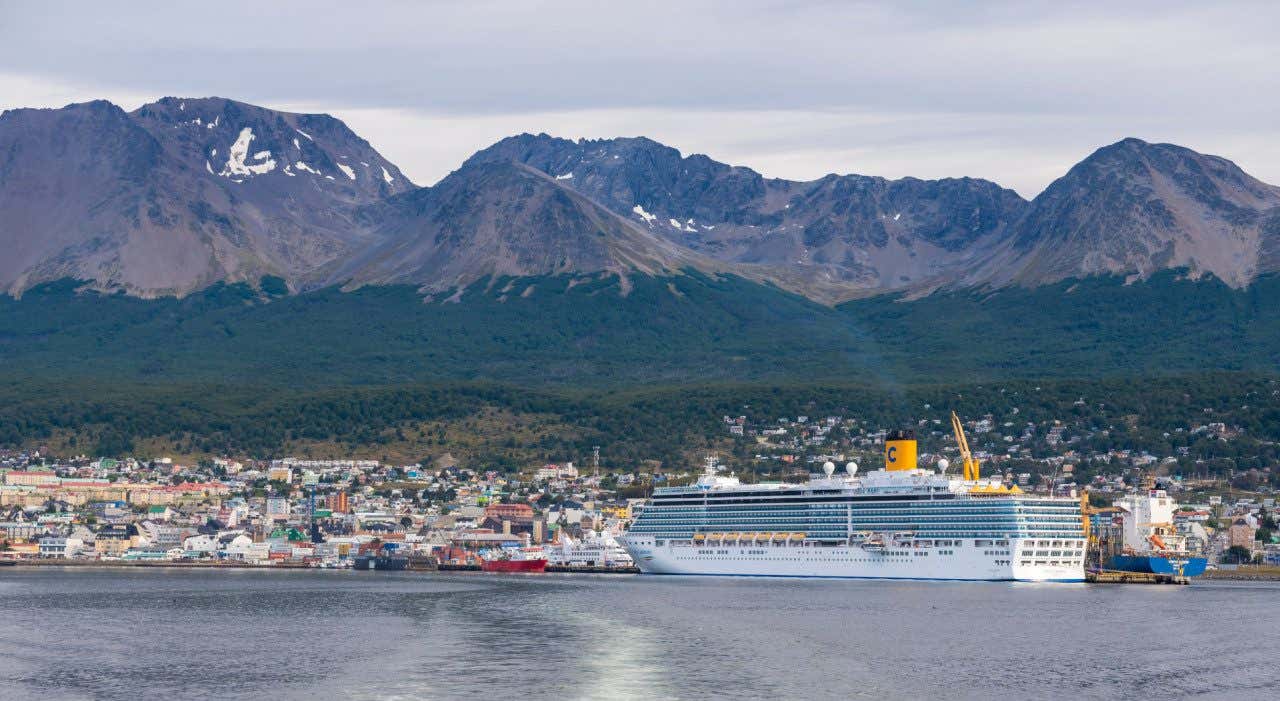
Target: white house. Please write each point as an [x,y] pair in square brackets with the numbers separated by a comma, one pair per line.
[243,548]
[201,545]
[60,546]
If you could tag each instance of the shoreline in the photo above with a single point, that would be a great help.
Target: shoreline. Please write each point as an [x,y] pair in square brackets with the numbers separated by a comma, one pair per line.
[144,563]
[1268,575]
[196,565]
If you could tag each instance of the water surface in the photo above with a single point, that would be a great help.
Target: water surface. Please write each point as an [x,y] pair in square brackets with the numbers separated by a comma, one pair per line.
[90,633]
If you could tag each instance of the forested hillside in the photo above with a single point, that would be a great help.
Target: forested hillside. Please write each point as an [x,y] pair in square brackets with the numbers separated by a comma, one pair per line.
[519,370]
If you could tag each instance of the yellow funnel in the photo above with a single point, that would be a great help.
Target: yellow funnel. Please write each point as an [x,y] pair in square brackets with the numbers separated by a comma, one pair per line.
[900,451]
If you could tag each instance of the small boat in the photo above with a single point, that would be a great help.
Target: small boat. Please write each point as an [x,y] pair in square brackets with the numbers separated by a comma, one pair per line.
[525,560]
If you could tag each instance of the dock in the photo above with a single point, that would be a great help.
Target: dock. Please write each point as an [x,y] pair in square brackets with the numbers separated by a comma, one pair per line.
[551,569]
[447,567]
[1120,577]
[589,569]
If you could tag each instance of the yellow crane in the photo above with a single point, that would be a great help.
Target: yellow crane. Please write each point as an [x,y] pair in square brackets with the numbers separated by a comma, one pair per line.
[1086,511]
[967,460]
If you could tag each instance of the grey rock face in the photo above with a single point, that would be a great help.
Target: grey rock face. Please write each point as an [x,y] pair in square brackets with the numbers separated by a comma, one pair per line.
[1134,208]
[504,219]
[180,194]
[864,232]
[183,193]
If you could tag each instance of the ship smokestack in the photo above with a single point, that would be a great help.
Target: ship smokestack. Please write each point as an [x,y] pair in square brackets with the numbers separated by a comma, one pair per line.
[900,450]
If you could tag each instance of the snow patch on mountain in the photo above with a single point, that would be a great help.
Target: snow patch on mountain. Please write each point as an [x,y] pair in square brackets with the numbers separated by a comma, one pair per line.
[237,163]
[347,170]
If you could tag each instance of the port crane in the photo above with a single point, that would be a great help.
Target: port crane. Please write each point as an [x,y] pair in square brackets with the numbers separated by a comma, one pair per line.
[969,462]
[1086,511]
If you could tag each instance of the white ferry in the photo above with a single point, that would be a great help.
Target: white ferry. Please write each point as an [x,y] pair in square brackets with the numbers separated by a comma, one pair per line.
[593,550]
[900,522]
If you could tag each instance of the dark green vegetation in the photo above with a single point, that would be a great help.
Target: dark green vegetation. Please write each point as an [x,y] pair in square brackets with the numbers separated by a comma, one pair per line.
[562,331]
[648,374]
[1097,327]
[668,425]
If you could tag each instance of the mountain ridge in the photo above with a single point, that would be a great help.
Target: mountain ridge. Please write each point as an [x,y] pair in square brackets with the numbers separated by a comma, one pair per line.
[1135,208]
[132,200]
[185,192]
[846,229]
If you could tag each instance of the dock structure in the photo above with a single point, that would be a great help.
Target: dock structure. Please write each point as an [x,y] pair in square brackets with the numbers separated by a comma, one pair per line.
[1122,577]
[592,569]
[454,567]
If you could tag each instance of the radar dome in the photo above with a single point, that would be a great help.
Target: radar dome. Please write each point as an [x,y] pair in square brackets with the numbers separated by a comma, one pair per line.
[851,468]
[828,467]
[943,464]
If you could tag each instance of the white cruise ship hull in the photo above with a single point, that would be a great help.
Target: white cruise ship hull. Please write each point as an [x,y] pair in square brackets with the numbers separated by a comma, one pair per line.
[964,561]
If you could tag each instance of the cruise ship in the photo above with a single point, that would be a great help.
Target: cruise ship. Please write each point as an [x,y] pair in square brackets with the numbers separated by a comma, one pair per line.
[899,522]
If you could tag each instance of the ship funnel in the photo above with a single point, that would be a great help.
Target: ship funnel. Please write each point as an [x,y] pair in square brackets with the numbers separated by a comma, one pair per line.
[900,450]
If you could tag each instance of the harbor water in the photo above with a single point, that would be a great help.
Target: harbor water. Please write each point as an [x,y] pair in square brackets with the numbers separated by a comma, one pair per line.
[99,633]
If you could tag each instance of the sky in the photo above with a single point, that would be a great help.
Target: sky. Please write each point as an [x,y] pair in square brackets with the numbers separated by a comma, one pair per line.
[1016,92]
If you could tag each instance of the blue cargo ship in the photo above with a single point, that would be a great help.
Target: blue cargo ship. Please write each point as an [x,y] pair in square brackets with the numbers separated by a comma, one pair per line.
[1150,541]
[1188,566]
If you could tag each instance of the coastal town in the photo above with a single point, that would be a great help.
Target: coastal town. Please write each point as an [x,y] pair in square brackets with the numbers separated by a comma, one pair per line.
[312,513]
[443,513]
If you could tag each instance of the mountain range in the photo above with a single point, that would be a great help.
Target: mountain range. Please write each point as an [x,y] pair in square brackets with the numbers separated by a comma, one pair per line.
[184,193]
[206,276]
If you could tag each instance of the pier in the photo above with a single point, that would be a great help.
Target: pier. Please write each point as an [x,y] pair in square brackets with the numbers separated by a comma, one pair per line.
[1120,577]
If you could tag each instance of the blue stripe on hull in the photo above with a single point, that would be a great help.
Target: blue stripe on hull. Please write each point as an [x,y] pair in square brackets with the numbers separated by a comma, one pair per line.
[1154,564]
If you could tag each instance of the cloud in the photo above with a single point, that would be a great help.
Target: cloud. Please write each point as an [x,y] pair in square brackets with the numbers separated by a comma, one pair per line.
[1009,91]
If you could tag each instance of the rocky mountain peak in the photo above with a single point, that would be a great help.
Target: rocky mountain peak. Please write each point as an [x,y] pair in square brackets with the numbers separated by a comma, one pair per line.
[184,192]
[861,231]
[1132,208]
[504,219]
[243,142]
[181,193]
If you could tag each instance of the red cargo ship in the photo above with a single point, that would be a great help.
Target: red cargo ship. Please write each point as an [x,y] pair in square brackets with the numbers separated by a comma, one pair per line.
[524,560]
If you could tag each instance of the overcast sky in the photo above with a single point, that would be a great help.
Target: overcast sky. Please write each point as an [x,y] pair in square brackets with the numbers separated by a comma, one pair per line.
[1014,92]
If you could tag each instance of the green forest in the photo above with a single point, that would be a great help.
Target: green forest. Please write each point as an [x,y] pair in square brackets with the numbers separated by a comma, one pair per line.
[543,368]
